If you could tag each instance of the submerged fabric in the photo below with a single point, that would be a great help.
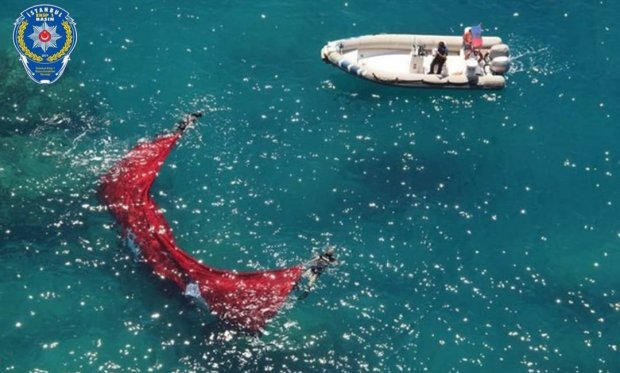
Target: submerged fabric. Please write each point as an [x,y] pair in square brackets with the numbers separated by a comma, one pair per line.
[246,300]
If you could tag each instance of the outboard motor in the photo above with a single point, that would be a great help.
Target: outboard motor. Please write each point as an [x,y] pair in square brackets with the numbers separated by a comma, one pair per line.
[499,50]
[471,68]
[499,55]
[499,65]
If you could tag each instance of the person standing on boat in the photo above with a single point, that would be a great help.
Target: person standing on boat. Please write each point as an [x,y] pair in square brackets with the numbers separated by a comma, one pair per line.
[440,58]
[468,40]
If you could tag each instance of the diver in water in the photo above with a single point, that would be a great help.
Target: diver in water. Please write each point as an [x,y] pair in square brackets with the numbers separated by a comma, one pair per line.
[187,121]
[316,266]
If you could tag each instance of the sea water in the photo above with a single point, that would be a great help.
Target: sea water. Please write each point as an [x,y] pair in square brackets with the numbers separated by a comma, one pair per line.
[476,230]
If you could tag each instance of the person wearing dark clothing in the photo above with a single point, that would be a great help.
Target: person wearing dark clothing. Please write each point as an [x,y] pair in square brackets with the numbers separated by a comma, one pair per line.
[440,58]
[315,267]
[187,121]
[321,263]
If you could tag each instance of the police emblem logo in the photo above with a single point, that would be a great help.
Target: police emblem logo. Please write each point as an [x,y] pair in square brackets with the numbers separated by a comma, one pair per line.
[44,36]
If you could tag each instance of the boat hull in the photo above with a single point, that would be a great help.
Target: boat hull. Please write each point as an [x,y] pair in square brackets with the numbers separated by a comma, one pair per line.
[404,60]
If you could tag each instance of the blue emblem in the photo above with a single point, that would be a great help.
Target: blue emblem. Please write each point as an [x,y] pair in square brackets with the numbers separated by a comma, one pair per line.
[44,36]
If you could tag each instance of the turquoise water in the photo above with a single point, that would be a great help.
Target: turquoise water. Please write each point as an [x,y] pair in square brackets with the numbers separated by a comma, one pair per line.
[476,231]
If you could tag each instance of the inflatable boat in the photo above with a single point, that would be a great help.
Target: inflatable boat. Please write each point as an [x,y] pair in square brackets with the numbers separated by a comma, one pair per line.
[405,60]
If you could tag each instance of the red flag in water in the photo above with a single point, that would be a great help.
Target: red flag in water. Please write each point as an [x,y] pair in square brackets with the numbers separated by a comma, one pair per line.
[245,299]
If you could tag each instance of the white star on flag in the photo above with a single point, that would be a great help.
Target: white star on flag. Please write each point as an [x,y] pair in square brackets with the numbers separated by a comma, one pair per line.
[44,36]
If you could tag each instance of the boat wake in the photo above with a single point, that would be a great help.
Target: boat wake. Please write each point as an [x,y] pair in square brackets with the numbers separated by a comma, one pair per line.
[533,59]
